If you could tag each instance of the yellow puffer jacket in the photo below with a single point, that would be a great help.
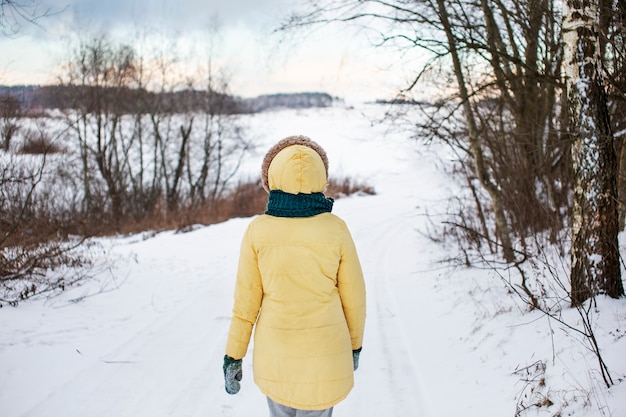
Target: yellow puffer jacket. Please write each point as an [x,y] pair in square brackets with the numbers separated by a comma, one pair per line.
[300,281]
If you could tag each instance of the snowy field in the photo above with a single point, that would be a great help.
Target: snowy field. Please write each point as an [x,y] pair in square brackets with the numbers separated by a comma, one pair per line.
[145,337]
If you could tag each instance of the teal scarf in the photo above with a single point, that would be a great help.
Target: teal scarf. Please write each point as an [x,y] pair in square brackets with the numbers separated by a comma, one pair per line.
[282,204]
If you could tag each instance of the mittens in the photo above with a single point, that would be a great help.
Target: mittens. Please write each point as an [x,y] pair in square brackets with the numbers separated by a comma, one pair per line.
[232,374]
[355,357]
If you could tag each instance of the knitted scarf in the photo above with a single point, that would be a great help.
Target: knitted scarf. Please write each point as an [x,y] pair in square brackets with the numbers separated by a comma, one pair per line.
[282,204]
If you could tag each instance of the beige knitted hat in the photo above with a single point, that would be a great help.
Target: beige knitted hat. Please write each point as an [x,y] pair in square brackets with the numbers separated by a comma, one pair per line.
[282,144]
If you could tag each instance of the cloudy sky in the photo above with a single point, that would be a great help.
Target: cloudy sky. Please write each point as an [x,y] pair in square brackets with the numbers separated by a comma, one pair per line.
[334,60]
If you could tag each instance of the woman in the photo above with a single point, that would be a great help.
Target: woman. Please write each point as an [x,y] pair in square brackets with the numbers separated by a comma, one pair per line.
[300,282]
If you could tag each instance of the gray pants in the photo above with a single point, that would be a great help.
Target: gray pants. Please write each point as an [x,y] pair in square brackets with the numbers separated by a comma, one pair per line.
[279,410]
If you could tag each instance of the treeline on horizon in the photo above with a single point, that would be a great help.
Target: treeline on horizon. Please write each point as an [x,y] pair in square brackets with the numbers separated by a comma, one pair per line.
[34,98]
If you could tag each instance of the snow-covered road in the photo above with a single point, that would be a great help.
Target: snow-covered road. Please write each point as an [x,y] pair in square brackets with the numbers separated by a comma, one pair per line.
[151,339]
[152,343]
[145,337]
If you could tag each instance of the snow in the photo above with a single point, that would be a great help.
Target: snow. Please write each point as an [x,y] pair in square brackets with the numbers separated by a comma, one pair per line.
[146,335]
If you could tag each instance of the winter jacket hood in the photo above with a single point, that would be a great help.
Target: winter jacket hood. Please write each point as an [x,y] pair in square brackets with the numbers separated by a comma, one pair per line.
[295,165]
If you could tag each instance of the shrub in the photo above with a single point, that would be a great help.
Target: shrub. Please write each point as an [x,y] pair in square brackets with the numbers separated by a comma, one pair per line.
[38,143]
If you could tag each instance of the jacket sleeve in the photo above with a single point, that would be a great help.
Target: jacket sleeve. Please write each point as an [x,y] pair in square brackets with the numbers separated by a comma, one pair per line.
[351,287]
[247,300]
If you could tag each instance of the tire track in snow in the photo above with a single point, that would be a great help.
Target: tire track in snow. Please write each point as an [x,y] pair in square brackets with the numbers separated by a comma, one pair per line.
[166,361]
[135,378]
[388,381]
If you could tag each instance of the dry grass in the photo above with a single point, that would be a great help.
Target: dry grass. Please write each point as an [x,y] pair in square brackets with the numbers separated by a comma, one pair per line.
[343,187]
[245,200]
[35,240]
[37,224]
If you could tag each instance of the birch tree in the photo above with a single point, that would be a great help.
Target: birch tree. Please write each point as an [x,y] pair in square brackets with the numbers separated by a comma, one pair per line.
[595,260]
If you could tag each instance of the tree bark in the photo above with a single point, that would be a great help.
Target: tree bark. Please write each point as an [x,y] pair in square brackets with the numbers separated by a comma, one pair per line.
[594,253]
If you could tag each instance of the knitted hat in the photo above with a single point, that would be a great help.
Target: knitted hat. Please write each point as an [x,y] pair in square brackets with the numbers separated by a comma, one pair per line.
[282,144]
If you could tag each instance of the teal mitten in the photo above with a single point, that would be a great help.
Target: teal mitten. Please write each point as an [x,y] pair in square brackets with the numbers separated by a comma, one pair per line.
[355,357]
[232,374]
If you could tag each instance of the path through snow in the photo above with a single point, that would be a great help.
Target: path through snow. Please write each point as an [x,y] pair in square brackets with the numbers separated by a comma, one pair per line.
[148,339]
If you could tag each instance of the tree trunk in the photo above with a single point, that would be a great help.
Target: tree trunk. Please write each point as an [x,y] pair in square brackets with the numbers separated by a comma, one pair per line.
[502,227]
[595,253]
[621,184]
[172,195]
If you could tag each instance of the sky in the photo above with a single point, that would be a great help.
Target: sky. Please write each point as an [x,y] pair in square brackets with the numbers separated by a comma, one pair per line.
[257,61]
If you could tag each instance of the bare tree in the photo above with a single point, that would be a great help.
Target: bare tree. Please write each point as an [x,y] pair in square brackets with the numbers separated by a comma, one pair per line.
[10,117]
[476,148]
[222,142]
[171,124]
[198,143]
[518,138]
[101,73]
[153,142]
[33,239]
[34,229]
[503,59]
